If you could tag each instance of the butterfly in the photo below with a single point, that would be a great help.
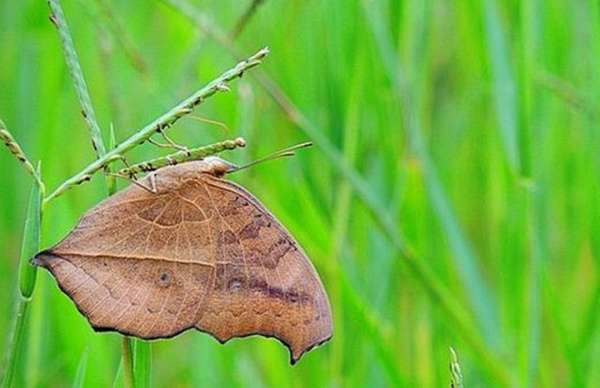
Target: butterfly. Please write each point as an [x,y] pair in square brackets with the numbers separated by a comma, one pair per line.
[196,251]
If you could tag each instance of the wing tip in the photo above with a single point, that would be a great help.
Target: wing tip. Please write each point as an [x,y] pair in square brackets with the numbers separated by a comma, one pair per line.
[296,355]
[43,259]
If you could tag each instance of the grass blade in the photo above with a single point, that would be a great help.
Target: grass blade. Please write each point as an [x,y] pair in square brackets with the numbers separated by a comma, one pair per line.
[58,19]
[27,279]
[142,365]
[127,361]
[80,375]
[118,379]
[504,88]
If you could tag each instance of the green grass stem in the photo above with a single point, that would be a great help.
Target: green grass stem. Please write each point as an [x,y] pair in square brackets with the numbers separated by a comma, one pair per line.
[127,362]
[79,380]
[142,363]
[87,110]
[15,149]
[27,280]
[456,377]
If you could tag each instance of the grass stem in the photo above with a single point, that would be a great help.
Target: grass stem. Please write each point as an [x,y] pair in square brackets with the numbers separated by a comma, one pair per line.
[87,110]
[126,347]
[27,278]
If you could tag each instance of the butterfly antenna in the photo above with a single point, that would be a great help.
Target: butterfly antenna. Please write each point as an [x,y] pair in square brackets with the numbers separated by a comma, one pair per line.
[276,155]
[209,121]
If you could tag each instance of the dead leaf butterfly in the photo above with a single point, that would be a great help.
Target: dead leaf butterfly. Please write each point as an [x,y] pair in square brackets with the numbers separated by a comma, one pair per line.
[200,252]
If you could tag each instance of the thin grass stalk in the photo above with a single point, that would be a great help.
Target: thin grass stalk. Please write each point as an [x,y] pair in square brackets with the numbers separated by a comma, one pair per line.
[110,20]
[27,280]
[111,181]
[183,156]
[58,19]
[27,273]
[456,377]
[127,362]
[342,215]
[79,380]
[142,363]
[15,149]
[244,20]
[531,38]
[504,85]
[87,110]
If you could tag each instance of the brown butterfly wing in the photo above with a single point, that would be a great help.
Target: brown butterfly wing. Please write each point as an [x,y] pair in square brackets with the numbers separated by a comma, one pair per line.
[264,282]
[147,299]
[139,263]
[200,252]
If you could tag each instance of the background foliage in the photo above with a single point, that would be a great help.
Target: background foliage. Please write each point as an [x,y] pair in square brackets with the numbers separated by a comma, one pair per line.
[452,198]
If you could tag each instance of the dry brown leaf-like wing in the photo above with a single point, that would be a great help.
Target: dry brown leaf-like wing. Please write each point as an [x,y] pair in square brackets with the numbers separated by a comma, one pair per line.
[200,252]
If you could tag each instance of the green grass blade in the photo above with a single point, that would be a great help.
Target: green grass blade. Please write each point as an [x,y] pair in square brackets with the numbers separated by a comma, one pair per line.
[118,380]
[27,279]
[379,332]
[31,241]
[504,88]
[79,380]
[534,217]
[127,361]
[58,18]
[142,366]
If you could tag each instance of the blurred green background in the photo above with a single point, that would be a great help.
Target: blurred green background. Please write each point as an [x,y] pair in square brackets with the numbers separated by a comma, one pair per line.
[451,200]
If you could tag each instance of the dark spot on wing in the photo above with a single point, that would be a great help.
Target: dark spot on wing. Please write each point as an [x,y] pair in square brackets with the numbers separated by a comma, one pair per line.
[227,237]
[164,279]
[251,230]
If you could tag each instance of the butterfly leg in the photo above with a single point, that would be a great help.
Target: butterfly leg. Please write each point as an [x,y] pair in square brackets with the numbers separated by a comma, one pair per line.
[151,188]
[170,143]
[128,172]
[130,176]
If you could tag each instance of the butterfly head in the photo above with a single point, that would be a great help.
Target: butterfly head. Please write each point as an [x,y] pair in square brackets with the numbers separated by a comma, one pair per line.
[218,167]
